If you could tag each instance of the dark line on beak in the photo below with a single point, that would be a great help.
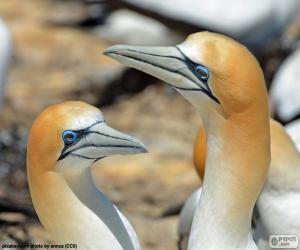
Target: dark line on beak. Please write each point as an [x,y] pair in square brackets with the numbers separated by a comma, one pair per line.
[182,53]
[201,89]
[62,156]
[82,134]
[98,122]
[107,146]
[188,61]
[98,159]
[87,158]
[151,54]
[158,66]
[106,135]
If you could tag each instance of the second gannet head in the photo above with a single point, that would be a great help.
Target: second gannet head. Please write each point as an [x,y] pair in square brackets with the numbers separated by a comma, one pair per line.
[64,141]
[71,136]
[224,71]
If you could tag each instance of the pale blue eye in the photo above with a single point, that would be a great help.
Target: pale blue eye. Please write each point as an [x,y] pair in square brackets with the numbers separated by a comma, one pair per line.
[202,72]
[69,137]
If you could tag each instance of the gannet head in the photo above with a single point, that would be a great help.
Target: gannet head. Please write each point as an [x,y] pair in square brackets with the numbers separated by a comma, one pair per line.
[214,72]
[74,135]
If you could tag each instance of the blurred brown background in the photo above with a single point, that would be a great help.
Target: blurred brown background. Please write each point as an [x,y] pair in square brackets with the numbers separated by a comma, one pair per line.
[57,56]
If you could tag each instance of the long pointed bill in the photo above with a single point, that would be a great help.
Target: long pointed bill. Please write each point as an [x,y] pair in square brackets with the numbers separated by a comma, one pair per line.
[166,63]
[99,141]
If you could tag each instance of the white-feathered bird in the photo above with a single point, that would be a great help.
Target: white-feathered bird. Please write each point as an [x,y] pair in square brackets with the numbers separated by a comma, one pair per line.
[223,80]
[279,203]
[64,141]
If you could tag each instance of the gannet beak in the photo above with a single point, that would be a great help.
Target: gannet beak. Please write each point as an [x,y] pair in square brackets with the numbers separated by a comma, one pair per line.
[166,63]
[99,140]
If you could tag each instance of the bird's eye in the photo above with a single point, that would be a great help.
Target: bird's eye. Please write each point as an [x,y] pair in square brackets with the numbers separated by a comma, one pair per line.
[202,72]
[69,137]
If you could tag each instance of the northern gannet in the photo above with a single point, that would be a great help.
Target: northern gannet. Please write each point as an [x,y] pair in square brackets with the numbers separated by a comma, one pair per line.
[5,55]
[285,89]
[223,80]
[64,141]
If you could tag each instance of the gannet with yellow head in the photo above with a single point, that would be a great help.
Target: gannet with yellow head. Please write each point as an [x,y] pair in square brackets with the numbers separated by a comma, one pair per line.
[64,141]
[223,80]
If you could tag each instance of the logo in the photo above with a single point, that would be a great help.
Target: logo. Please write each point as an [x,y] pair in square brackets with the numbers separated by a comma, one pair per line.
[287,241]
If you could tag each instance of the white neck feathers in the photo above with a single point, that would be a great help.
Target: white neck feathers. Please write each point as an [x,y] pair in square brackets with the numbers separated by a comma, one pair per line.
[231,185]
[72,210]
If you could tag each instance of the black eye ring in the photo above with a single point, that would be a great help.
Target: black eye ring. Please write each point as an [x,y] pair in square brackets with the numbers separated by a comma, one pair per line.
[202,72]
[69,137]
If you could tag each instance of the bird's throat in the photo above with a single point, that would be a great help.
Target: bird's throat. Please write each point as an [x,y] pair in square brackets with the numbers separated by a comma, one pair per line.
[237,161]
[73,210]
[82,184]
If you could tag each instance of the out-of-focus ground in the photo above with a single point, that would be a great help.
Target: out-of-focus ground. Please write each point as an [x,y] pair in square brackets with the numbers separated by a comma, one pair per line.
[53,64]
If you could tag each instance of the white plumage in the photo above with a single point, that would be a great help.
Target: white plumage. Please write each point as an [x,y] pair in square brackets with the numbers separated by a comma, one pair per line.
[285,89]
[253,21]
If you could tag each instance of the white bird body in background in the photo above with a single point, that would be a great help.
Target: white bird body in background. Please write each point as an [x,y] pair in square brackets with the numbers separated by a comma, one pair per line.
[279,202]
[186,218]
[130,27]
[285,89]
[5,57]
[65,140]
[253,22]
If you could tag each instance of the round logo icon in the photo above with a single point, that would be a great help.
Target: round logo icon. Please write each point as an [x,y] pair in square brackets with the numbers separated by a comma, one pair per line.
[274,241]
